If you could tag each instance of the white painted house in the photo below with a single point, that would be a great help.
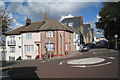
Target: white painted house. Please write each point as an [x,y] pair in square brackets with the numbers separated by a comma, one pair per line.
[13,45]
[31,40]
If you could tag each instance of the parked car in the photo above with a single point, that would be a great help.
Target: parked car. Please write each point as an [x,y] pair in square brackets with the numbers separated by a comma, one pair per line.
[86,48]
[92,45]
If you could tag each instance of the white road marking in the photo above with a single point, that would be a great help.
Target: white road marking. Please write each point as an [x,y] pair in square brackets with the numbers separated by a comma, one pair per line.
[93,65]
[111,57]
[61,63]
[94,53]
[84,61]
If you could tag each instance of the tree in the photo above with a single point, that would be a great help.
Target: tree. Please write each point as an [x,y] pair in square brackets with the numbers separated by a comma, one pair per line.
[5,20]
[109,20]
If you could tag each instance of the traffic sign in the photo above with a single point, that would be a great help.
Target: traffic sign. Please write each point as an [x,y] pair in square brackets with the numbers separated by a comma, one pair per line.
[115,35]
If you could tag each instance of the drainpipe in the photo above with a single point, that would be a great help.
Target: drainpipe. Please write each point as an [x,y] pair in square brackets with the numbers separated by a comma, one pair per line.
[61,43]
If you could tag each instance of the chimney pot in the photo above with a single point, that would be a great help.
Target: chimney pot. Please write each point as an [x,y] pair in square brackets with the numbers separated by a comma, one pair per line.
[45,15]
[28,21]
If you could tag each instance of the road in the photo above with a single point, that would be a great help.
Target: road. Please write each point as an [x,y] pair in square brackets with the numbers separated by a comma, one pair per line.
[96,63]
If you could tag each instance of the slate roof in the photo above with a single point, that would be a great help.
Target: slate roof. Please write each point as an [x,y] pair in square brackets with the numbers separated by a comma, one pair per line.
[50,24]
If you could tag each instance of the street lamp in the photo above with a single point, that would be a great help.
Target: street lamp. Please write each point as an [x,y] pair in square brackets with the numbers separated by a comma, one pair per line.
[116,40]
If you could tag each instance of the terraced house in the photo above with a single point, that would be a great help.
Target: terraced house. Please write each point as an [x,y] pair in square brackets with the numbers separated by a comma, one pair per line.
[30,40]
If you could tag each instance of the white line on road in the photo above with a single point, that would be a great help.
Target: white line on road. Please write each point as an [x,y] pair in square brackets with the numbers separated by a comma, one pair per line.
[93,65]
[61,63]
[111,57]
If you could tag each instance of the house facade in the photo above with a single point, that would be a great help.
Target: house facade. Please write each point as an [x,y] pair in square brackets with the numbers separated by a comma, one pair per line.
[75,23]
[88,34]
[31,40]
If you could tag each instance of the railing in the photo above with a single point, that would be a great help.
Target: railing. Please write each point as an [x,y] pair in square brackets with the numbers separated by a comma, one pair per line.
[11,43]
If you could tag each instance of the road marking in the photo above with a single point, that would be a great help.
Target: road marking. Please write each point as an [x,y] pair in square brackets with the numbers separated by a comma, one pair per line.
[84,66]
[64,61]
[5,67]
[94,53]
[111,57]
[61,63]
[80,53]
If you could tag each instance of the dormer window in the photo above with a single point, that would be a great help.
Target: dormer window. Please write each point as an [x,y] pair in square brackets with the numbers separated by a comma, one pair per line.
[70,24]
[49,34]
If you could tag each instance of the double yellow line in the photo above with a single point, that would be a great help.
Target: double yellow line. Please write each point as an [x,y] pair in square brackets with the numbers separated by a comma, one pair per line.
[5,67]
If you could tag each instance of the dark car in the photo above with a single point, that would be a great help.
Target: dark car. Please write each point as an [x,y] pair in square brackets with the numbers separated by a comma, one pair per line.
[85,48]
[92,45]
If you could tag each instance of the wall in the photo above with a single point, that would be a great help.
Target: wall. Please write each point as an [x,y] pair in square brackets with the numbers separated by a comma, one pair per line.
[35,38]
[17,47]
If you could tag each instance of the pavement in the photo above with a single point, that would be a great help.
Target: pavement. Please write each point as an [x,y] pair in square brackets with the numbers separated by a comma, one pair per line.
[58,67]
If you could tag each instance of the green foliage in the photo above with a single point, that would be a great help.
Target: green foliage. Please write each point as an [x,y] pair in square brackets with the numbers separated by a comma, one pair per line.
[110,19]
[5,20]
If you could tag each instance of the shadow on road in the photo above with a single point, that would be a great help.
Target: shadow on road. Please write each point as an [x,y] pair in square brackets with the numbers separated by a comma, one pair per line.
[6,63]
[23,73]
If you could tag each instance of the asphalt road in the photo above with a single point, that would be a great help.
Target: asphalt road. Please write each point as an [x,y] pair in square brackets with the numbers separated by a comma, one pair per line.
[59,67]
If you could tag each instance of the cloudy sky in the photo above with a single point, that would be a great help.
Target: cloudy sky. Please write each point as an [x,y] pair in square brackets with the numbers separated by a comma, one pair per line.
[21,9]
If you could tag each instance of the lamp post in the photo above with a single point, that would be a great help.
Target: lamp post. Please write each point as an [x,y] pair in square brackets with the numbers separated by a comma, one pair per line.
[116,40]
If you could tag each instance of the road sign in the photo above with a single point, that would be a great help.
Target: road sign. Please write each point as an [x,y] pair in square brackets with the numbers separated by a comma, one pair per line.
[115,35]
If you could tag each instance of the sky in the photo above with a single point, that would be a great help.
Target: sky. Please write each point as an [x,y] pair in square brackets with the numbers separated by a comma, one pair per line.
[20,10]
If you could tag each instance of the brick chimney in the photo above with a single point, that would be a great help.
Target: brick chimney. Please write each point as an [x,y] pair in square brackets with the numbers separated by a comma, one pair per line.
[45,15]
[28,21]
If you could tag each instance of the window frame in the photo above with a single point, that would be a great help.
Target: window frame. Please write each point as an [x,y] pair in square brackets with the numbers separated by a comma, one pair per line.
[47,44]
[28,36]
[12,50]
[28,48]
[48,33]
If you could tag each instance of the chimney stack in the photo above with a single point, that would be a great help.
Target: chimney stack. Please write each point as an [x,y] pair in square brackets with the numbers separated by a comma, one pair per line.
[28,21]
[45,15]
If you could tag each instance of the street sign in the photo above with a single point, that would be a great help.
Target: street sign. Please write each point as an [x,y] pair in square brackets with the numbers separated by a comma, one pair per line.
[115,35]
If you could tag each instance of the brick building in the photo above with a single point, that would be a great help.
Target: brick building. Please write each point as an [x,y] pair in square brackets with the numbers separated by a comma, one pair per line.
[30,40]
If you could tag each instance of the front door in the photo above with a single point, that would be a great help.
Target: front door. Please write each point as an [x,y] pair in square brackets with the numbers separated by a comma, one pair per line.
[39,50]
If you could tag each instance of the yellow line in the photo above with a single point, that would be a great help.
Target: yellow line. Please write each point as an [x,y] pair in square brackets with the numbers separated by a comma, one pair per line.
[80,53]
[5,67]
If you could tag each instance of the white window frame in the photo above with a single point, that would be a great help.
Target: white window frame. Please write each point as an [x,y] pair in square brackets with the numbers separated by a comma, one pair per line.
[12,49]
[28,36]
[49,33]
[12,40]
[50,47]
[28,48]
[70,24]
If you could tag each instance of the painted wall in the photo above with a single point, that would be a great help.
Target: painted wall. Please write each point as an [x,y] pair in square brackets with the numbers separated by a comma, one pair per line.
[17,47]
[35,38]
